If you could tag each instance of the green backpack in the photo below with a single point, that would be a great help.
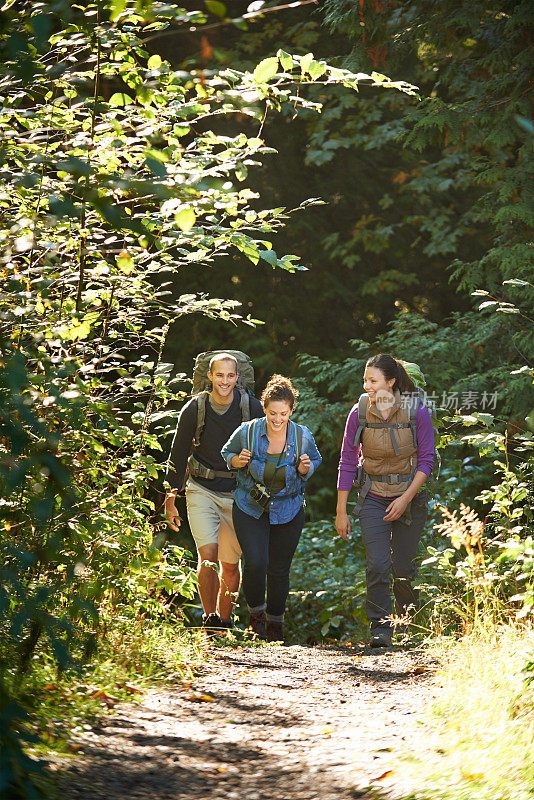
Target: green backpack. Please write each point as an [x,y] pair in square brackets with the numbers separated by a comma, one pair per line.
[202,385]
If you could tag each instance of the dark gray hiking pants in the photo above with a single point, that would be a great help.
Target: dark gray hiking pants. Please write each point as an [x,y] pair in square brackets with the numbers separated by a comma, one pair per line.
[390,547]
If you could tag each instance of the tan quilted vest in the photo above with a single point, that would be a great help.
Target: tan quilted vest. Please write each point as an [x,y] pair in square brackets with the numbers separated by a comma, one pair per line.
[378,454]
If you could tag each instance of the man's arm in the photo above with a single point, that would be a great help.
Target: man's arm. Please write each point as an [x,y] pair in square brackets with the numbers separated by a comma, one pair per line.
[171,512]
[181,445]
[180,451]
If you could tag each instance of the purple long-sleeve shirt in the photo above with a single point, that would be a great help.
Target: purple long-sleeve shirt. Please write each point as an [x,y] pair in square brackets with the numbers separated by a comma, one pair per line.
[351,456]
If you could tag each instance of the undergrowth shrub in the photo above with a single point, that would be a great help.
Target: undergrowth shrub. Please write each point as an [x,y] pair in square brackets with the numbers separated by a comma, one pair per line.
[482,573]
[327,593]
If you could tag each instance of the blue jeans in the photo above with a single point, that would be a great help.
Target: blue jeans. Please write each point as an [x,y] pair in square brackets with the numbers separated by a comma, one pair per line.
[390,547]
[268,551]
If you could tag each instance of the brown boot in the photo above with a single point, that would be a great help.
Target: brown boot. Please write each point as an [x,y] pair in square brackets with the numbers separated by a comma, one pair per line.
[257,623]
[274,631]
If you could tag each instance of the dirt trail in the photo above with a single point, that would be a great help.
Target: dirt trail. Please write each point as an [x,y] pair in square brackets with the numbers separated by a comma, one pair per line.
[285,723]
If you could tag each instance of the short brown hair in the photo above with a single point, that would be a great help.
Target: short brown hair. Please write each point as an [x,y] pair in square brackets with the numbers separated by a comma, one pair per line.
[279,388]
[221,357]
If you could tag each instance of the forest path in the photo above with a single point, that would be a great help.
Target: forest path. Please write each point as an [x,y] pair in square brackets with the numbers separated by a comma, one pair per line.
[262,723]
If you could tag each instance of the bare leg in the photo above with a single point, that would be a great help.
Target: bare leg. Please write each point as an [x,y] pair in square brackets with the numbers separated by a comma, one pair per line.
[230,581]
[208,577]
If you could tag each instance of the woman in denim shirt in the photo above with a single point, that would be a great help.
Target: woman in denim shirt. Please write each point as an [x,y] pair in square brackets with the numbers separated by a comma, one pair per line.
[273,463]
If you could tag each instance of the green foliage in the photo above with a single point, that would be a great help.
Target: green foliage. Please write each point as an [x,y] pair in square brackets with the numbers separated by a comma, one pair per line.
[129,174]
[483,573]
[460,192]
[115,174]
[327,586]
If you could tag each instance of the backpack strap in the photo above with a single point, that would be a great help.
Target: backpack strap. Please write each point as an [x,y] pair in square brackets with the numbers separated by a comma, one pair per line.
[244,405]
[198,470]
[297,431]
[413,408]
[392,426]
[363,405]
[251,435]
[202,399]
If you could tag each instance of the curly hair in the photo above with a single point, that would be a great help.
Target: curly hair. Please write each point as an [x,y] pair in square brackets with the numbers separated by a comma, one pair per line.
[279,388]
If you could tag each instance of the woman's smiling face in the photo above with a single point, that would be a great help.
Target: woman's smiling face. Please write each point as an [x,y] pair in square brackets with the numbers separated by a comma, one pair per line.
[375,381]
[277,413]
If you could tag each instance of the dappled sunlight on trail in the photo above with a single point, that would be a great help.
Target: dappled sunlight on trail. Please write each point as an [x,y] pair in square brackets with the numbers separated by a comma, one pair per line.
[261,723]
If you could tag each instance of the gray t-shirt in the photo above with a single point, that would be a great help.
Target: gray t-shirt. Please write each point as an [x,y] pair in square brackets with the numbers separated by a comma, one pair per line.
[219,408]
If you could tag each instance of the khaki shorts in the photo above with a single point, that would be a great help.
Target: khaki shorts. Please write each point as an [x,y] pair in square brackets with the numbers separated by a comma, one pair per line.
[210,520]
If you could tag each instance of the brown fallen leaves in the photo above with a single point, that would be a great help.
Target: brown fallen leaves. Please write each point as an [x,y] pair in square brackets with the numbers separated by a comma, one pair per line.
[383,776]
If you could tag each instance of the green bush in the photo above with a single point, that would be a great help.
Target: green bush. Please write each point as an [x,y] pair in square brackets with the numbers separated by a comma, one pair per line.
[327,593]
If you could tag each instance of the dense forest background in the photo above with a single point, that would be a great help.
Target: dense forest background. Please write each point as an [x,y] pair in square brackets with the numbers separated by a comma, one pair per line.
[411,186]
[310,183]
[425,209]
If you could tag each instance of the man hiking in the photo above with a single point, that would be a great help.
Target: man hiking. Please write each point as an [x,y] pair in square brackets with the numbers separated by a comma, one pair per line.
[205,424]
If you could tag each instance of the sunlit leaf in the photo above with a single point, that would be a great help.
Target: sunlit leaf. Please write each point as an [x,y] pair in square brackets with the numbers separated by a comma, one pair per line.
[269,256]
[305,62]
[120,99]
[185,219]
[125,262]
[316,69]
[116,8]
[215,7]
[266,69]
[286,60]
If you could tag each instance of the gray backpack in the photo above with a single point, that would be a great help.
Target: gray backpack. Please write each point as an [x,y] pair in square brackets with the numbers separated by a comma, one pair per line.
[202,385]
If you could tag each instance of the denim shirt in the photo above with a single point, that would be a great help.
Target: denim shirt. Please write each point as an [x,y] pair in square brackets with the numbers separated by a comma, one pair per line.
[286,504]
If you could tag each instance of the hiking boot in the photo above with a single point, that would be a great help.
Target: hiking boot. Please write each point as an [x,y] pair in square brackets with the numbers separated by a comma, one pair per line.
[257,623]
[274,631]
[381,639]
[227,624]
[212,624]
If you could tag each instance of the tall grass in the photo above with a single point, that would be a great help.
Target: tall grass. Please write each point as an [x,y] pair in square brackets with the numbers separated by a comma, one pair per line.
[481,742]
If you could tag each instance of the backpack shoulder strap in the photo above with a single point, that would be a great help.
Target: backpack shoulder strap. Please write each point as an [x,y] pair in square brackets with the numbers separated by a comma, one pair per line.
[297,431]
[413,408]
[363,405]
[251,435]
[202,399]
[244,405]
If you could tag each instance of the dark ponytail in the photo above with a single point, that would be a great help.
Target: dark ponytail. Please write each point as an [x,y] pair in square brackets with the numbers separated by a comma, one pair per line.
[391,368]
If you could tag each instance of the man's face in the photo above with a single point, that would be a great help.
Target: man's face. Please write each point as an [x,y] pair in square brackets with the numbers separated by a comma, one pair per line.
[223,376]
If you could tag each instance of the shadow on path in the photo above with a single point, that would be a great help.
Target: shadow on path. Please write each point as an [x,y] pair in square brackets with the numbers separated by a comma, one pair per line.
[296,723]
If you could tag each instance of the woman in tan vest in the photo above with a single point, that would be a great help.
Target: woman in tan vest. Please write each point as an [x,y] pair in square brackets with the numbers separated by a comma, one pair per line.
[391,448]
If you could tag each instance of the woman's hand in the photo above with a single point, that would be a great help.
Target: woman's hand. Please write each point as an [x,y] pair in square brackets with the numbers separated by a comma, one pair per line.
[304,464]
[397,508]
[343,525]
[241,460]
